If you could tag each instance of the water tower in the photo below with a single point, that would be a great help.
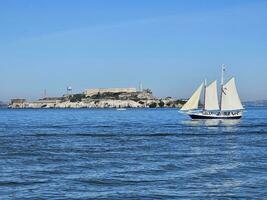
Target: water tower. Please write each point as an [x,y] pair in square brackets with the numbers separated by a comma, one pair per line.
[69,90]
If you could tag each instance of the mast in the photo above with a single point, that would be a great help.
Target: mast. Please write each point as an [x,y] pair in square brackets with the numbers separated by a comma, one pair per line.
[222,83]
[205,85]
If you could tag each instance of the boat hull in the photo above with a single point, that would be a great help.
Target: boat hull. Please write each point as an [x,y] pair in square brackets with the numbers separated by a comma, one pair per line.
[202,116]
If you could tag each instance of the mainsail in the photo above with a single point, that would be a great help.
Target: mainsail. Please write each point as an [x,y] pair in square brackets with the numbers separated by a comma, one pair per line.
[230,97]
[211,97]
[193,102]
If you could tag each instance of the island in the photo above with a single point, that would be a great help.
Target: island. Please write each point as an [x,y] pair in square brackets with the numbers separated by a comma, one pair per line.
[102,98]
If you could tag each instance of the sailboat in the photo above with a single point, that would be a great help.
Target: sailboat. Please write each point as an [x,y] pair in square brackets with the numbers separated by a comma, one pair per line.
[229,106]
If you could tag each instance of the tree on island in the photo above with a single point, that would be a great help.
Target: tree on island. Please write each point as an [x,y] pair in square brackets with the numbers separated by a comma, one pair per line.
[161,104]
[153,105]
[77,97]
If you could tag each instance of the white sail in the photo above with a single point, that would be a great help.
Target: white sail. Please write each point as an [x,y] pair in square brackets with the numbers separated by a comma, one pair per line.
[230,97]
[193,102]
[211,97]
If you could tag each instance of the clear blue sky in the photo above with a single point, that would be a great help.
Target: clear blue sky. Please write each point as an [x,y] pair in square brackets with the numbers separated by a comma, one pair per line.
[171,46]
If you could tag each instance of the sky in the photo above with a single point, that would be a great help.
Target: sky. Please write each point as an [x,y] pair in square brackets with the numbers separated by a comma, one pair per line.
[170,46]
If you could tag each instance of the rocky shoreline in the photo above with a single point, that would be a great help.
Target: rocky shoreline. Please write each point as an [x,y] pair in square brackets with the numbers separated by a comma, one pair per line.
[104,103]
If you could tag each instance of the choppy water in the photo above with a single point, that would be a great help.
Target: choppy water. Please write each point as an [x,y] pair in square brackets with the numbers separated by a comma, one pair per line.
[133,154]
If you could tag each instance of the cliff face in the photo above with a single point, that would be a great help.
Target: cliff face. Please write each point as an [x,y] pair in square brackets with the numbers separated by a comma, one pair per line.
[100,104]
[143,99]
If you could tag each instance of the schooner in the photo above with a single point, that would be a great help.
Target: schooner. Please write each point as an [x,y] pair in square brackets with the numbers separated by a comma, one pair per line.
[228,107]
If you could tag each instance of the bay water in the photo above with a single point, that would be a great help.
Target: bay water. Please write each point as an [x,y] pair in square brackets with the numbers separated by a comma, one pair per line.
[131,154]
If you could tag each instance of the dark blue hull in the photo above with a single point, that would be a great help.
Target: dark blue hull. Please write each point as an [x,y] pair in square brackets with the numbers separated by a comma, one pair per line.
[194,116]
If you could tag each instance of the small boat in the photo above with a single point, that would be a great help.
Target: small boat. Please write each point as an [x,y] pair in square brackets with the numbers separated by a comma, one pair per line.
[121,109]
[229,106]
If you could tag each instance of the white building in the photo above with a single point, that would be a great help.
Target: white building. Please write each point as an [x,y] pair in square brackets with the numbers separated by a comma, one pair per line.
[95,91]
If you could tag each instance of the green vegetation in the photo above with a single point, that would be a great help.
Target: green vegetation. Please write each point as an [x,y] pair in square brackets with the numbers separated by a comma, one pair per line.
[182,102]
[161,104]
[77,97]
[148,91]
[153,105]
[106,95]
